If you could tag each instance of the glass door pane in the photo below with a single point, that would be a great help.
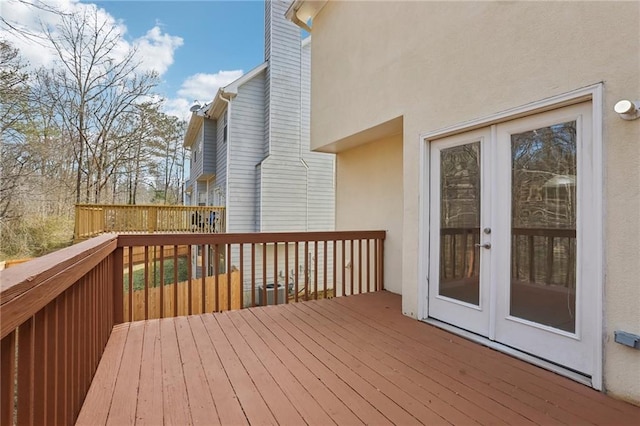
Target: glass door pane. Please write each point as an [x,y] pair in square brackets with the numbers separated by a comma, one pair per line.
[543,226]
[460,223]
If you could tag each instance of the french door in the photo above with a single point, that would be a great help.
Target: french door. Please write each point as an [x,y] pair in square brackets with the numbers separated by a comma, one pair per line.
[509,244]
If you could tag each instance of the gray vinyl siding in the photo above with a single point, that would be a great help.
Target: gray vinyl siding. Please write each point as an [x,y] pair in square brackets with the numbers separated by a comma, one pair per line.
[246,141]
[221,164]
[196,156]
[284,195]
[283,82]
[209,148]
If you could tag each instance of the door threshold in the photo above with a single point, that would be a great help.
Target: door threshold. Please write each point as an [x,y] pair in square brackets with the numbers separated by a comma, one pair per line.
[563,371]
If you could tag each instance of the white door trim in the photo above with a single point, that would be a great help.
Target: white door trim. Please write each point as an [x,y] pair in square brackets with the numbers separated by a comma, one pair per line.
[593,93]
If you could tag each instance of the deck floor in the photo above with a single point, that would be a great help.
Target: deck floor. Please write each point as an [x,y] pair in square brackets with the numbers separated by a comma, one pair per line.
[346,361]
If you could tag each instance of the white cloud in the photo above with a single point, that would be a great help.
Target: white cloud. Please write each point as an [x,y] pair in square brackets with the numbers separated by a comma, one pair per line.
[203,87]
[156,49]
[198,87]
[177,107]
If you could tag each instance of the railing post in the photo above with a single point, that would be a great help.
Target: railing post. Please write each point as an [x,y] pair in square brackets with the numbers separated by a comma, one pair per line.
[118,285]
[76,232]
[152,218]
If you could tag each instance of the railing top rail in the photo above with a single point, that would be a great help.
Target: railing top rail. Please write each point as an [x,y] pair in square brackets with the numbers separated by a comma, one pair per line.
[247,238]
[26,288]
[145,206]
[536,232]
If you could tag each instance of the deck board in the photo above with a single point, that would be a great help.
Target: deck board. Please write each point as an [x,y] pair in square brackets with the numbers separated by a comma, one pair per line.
[150,409]
[350,360]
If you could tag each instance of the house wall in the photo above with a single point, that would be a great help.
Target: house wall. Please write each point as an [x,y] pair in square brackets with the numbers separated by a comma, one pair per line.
[321,184]
[196,155]
[209,147]
[369,197]
[246,139]
[283,82]
[438,64]
[220,182]
[296,186]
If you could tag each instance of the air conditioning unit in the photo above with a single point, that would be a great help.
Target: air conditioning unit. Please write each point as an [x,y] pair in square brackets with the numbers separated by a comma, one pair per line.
[270,295]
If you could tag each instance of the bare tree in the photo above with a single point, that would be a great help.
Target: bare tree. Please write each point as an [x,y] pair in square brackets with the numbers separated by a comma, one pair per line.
[95,87]
[20,30]
[14,92]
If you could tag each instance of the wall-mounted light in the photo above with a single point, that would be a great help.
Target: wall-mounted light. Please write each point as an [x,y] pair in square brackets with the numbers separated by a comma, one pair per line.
[628,110]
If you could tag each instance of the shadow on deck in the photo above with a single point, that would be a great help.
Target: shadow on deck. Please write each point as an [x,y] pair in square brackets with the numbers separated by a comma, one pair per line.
[349,360]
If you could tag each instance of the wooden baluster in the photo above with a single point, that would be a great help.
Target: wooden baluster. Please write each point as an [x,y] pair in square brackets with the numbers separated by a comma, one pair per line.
[189,277]
[532,271]
[25,372]
[306,270]
[549,260]
[175,279]
[7,371]
[253,274]
[275,273]
[315,269]
[203,272]
[264,273]
[161,313]
[286,272]
[352,268]
[324,270]
[241,289]
[229,277]
[296,273]
[359,266]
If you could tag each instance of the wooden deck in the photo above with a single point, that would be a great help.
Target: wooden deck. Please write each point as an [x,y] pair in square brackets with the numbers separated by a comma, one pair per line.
[350,360]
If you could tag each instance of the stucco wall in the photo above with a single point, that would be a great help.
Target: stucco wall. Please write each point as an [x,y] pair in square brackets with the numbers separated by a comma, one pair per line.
[369,193]
[441,64]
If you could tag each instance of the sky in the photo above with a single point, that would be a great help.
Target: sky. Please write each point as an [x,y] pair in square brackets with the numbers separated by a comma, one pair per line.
[195,46]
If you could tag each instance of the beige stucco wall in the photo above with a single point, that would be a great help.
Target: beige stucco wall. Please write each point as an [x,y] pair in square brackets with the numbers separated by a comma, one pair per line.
[369,193]
[440,64]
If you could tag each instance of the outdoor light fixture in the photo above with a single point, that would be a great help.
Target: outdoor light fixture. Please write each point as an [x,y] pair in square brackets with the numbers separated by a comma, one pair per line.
[628,110]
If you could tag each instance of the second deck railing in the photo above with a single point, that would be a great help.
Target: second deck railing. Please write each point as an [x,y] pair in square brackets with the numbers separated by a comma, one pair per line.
[94,219]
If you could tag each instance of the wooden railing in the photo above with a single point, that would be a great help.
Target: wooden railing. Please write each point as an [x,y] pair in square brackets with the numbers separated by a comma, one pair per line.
[96,219]
[56,315]
[57,311]
[539,255]
[229,271]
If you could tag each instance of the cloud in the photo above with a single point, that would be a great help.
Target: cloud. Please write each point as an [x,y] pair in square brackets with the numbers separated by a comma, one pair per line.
[155,49]
[203,87]
[198,87]
[178,107]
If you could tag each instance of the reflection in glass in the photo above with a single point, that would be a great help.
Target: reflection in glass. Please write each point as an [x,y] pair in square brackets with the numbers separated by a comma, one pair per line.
[460,223]
[543,225]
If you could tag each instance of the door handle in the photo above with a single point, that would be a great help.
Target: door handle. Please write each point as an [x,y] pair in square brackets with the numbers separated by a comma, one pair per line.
[485,245]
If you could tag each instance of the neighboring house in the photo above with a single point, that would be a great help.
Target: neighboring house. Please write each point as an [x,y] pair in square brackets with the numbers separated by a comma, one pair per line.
[250,144]
[482,136]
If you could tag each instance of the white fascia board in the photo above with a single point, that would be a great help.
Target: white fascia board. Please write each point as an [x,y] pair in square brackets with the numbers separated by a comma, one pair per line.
[301,11]
[195,122]
[217,106]
[232,88]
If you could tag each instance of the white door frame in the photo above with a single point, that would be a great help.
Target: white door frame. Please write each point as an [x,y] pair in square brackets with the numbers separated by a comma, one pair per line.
[594,94]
